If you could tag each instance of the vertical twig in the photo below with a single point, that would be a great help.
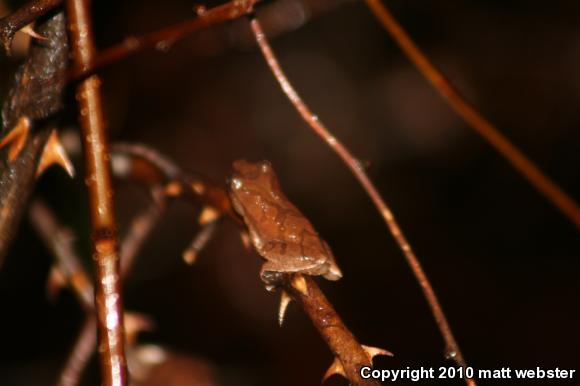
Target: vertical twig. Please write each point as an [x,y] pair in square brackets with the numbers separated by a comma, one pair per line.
[49,230]
[108,301]
[452,348]
[520,162]
[139,230]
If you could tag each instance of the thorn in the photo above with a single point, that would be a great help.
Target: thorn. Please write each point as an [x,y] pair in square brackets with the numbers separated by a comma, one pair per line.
[285,300]
[299,283]
[32,33]
[151,354]
[55,282]
[54,153]
[158,195]
[198,187]
[189,256]
[374,351]
[16,138]
[199,10]
[173,189]
[207,215]
[335,368]
[136,323]
[120,165]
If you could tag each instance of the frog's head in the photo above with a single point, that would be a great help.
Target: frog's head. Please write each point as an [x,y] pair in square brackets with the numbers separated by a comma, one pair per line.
[254,176]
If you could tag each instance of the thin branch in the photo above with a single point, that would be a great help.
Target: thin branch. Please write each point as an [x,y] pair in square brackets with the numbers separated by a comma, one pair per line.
[200,240]
[351,355]
[68,263]
[59,241]
[23,16]
[139,230]
[165,37]
[452,348]
[80,354]
[159,169]
[86,340]
[108,300]
[519,161]
[177,182]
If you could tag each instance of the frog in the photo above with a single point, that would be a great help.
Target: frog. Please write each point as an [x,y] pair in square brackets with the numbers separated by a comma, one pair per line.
[277,229]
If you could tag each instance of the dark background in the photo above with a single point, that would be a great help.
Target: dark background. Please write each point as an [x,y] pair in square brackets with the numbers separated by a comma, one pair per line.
[503,261]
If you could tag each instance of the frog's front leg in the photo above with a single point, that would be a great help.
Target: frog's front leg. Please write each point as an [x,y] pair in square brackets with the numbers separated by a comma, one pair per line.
[273,270]
[272,275]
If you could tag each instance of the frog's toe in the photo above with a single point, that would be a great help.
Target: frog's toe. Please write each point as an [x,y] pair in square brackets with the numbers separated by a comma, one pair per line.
[271,277]
[333,273]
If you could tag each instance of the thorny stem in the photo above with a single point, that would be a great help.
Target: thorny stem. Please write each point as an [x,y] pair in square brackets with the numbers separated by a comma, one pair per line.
[340,340]
[68,263]
[337,336]
[523,165]
[108,300]
[35,95]
[23,16]
[59,241]
[139,230]
[452,349]
[86,340]
[166,37]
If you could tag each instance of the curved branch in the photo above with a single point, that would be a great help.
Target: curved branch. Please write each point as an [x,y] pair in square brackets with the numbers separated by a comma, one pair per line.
[519,161]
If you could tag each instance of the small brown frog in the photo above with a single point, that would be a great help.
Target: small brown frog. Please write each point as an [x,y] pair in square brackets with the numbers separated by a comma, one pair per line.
[278,230]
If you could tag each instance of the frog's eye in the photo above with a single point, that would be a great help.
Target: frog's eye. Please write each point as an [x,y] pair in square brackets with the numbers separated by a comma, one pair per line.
[265,167]
[236,183]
